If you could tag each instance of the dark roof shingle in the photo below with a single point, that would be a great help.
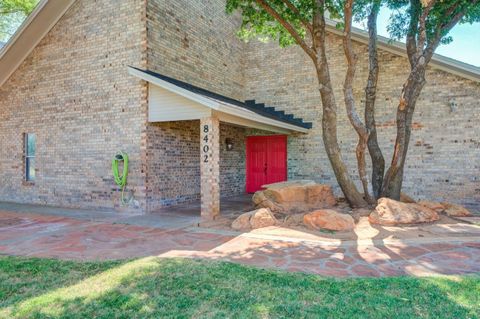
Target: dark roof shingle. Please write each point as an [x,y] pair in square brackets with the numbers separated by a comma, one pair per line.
[250,105]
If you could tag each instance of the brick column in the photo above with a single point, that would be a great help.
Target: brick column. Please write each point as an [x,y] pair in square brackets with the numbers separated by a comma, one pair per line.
[210,167]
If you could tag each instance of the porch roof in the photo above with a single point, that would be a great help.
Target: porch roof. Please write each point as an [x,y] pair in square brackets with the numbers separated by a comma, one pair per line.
[228,109]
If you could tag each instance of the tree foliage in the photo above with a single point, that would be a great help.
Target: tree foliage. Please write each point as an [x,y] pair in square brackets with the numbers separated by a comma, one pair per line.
[12,14]
[304,22]
[257,23]
[441,16]
[424,24]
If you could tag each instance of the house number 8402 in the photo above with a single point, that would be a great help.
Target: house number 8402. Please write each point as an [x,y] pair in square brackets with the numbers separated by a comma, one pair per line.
[206,148]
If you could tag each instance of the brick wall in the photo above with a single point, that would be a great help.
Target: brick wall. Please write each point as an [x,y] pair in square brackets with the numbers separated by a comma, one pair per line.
[74,93]
[196,42]
[444,158]
[232,163]
[173,174]
[193,41]
[173,163]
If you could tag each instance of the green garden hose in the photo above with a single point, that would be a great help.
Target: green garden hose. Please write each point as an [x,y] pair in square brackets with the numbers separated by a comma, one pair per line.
[121,180]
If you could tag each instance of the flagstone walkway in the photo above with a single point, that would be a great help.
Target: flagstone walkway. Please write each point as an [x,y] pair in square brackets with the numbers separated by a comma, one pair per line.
[41,235]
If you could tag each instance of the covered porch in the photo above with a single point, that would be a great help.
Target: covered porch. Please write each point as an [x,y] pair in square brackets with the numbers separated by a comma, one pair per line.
[229,207]
[222,124]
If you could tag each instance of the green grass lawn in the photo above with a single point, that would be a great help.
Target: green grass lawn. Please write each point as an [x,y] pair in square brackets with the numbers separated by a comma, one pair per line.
[179,288]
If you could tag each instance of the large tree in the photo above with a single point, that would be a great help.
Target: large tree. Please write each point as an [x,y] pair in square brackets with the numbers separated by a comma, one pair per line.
[303,22]
[12,14]
[428,23]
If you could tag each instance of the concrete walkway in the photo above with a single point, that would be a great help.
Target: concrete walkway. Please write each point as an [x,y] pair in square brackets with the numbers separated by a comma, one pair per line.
[80,236]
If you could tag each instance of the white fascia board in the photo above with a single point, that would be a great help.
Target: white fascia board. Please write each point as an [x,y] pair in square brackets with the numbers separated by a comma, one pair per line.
[43,18]
[214,104]
[175,89]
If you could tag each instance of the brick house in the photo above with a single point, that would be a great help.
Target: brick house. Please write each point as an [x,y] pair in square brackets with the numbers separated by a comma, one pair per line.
[168,82]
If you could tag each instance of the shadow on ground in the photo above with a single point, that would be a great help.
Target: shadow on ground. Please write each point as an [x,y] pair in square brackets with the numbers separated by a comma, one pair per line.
[154,287]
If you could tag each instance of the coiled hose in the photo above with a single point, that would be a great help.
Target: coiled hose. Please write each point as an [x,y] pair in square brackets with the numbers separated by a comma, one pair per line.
[121,180]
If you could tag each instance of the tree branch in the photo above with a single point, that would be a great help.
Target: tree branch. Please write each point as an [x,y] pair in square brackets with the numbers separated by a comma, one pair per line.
[292,7]
[329,108]
[378,161]
[270,10]
[445,28]
[318,35]
[422,30]
[411,43]
[351,66]
[352,113]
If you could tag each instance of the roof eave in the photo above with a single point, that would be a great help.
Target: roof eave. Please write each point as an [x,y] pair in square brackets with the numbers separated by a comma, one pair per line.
[48,12]
[45,15]
[214,104]
[438,61]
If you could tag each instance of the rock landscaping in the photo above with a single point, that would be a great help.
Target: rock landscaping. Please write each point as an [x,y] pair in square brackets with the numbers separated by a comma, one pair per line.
[295,197]
[328,219]
[392,212]
[404,198]
[436,206]
[308,205]
[259,218]
[454,210]
[449,209]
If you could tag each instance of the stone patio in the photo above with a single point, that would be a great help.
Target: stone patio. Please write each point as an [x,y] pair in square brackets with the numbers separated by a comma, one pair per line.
[57,233]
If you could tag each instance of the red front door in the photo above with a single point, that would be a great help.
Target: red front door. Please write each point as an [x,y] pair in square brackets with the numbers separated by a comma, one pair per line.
[266,161]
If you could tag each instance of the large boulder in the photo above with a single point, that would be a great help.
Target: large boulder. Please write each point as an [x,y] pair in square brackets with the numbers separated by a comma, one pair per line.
[404,198]
[436,206]
[293,220]
[262,217]
[454,210]
[391,212]
[294,197]
[328,219]
[259,218]
[242,222]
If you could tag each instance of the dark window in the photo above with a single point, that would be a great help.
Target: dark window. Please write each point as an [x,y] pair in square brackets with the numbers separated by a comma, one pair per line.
[30,149]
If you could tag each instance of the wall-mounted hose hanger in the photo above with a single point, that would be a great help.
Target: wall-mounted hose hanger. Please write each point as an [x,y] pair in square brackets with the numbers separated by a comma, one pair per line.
[121,180]
[453,106]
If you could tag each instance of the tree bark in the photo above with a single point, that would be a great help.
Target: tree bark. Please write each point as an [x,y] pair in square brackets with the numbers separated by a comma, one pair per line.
[330,140]
[378,161]
[420,52]
[329,118]
[411,91]
[349,98]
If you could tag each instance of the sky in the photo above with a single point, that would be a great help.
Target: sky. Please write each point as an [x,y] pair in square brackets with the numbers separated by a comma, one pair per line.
[465,46]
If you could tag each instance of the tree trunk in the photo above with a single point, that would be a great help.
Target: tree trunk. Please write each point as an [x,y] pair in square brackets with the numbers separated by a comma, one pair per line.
[411,91]
[362,166]
[329,118]
[330,140]
[349,98]
[378,161]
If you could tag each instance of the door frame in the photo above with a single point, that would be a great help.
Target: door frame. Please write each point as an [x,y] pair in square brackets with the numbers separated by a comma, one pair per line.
[247,149]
